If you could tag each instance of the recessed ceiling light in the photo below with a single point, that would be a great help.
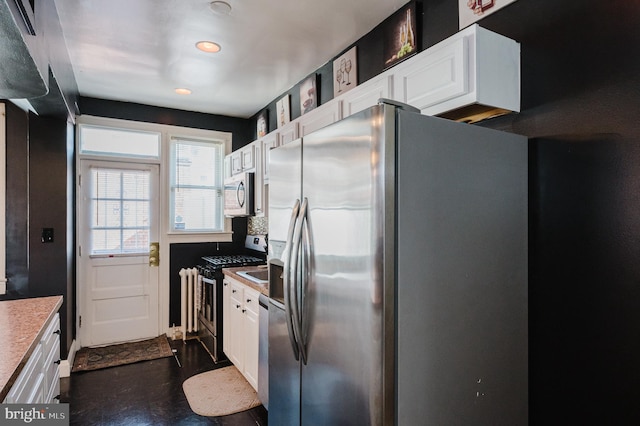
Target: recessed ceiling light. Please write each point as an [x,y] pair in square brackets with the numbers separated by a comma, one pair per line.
[183,91]
[208,46]
[220,7]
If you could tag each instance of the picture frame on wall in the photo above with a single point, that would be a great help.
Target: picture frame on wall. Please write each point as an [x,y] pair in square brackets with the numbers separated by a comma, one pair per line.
[470,11]
[400,35]
[345,72]
[283,110]
[262,125]
[309,94]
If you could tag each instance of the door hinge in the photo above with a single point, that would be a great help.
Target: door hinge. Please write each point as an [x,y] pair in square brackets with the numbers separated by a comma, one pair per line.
[79,251]
[80,180]
[80,322]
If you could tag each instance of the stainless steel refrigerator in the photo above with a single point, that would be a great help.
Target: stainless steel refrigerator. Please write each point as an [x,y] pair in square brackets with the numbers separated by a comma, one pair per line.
[398,274]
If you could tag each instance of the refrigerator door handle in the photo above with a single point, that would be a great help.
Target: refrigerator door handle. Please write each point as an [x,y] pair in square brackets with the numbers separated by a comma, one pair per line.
[287,279]
[307,251]
[296,288]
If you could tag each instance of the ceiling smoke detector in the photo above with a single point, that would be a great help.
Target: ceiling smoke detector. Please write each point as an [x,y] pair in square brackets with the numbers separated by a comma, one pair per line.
[220,7]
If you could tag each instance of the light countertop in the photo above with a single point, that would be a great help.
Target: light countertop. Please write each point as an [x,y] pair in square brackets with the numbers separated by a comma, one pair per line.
[22,323]
[232,272]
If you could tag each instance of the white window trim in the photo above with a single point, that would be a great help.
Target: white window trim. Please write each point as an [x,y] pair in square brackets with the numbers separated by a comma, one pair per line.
[166,237]
[167,132]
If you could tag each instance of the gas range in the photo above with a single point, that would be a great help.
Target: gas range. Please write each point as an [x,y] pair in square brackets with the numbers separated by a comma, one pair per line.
[213,264]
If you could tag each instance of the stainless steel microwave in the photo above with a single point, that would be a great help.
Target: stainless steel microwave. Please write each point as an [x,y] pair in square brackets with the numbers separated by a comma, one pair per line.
[238,195]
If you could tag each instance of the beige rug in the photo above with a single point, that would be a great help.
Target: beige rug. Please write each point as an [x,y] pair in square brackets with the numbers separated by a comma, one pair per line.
[87,359]
[219,392]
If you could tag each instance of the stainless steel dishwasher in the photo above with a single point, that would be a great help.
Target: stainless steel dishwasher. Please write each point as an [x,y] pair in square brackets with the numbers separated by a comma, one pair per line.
[263,352]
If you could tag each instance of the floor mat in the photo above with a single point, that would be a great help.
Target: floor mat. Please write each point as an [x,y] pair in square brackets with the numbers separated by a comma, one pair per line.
[87,359]
[219,392]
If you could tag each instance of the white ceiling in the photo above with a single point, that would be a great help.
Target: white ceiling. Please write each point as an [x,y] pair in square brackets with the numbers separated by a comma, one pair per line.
[141,50]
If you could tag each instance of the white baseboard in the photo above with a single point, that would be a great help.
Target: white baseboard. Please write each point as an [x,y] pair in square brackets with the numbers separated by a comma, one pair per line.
[66,364]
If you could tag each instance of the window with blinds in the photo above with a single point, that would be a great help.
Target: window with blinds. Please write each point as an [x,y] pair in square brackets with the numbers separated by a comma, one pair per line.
[196,185]
[120,209]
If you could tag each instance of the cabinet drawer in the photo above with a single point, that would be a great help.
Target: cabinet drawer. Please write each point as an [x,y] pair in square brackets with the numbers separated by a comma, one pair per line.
[237,290]
[51,336]
[53,394]
[251,300]
[29,379]
[51,366]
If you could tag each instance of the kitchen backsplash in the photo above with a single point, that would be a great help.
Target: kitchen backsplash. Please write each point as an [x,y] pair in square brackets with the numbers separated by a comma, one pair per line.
[257,225]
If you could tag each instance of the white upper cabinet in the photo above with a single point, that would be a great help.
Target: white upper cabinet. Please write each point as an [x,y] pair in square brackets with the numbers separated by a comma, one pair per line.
[241,160]
[259,201]
[248,157]
[288,133]
[320,117]
[367,94]
[236,162]
[269,142]
[472,75]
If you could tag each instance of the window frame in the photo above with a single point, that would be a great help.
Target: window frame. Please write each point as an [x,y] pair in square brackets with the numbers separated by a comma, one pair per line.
[167,133]
[219,186]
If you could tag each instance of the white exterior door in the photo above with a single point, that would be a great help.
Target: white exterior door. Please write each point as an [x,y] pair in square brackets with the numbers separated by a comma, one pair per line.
[118,220]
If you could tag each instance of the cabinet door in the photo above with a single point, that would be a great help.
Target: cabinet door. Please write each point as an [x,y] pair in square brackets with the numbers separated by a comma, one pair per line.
[236,162]
[268,143]
[320,117]
[248,157]
[366,95]
[236,322]
[227,166]
[426,80]
[288,133]
[252,337]
[226,317]
[258,183]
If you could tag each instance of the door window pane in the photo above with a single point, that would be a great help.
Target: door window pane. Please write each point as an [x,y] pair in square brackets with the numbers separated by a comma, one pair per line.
[120,203]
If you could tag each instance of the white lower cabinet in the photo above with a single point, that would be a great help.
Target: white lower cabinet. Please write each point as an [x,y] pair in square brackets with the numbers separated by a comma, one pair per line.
[241,312]
[39,381]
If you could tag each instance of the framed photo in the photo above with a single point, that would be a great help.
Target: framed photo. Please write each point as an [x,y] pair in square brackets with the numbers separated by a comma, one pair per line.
[345,72]
[262,124]
[400,35]
[308,94]
[283,111]
[470,11]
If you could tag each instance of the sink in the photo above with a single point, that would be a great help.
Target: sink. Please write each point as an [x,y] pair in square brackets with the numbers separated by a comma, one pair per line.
[260,276]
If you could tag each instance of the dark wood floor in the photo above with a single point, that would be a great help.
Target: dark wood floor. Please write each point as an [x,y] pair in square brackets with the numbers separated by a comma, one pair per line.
[146,393]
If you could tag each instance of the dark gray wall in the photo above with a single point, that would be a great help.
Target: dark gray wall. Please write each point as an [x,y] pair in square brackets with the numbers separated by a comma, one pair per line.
[51,196]
[17,202]
[239,127]
[40,195]
[580,98]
